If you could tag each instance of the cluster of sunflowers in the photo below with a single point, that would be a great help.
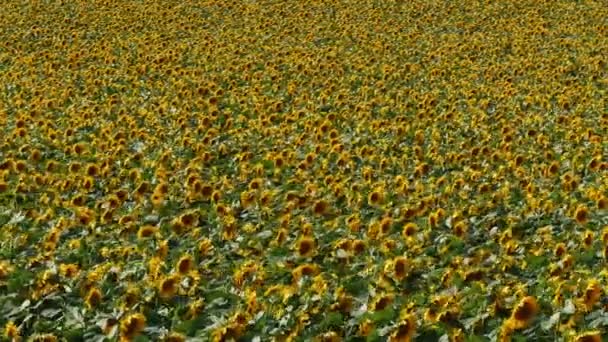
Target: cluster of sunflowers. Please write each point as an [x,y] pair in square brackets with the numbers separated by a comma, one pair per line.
[291,170]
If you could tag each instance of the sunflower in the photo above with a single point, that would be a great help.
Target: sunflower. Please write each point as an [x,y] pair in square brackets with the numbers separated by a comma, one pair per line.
[385,225]
[131,296]
[366,327]
[559,250]
[409,229]
[247,198]
[375,197]
[524,312]
[194,309]
[400,267]
[581,214]
[92,170]
[188,220]
[229,228]
[592,294]
[405,330]
[433,220]
[168,286]
[330,336]
[132,325]
[205,246]
[460,229]
[11,331]
[44,338]
[353,222]
[320,207]
[588,238]
[605,235]
[174,337]
[146,231]
[281,236]
[602,203]
[359,246]
[589,336]
[184,264]
[457,335]
[157,199]
[382,302]
[68,270]
[256,184]
[305,247]
[93,298]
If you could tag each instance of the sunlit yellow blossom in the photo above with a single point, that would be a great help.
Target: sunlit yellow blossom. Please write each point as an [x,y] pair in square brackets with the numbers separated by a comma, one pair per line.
[132,325]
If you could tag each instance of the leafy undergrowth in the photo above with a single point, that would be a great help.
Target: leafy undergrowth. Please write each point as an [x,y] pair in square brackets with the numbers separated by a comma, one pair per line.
[301,170]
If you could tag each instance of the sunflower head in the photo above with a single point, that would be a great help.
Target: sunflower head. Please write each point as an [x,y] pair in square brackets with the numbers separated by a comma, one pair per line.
[589,336]
[305,247]
[587,239]
[592,293]
[375,197]
[409,229]
[405,330]
[559,249]
[146,231]
[131,296]
[11,330]
[174,337]
[188,220]
[205,246]
[460,229]
[93,298]
[44,338]
[524,312]
[320,207]
[581,214]
[256,184]
[359,246]
[366,327]
[132,325]
[167,286]
[382,302]
[184,264]
[400,267]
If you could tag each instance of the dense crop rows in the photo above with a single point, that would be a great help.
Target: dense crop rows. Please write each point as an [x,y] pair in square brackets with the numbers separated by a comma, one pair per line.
[298,170]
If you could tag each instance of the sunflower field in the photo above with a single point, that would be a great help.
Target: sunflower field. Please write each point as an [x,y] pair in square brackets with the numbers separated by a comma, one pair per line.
[319,170]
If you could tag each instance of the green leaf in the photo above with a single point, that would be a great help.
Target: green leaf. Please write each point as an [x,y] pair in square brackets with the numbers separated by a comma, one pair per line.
[356,285]
[383,316]
[475,338]
[332,319]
